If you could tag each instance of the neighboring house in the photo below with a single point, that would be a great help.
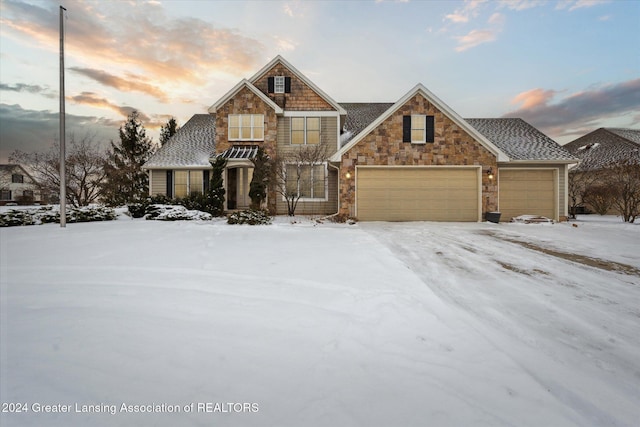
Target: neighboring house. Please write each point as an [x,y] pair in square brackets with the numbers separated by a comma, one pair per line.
[598,150]
[604,147]
[17,186]
[415,159]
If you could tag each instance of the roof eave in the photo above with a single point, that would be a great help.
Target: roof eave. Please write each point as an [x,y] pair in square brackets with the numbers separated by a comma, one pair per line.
[174,167]
[542,161]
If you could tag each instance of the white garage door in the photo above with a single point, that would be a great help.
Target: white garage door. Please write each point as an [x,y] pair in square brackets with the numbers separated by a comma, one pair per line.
[527,192]
[417,194]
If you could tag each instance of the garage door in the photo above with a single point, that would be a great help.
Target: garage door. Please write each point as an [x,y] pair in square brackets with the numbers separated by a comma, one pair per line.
[417,194]
[527,192]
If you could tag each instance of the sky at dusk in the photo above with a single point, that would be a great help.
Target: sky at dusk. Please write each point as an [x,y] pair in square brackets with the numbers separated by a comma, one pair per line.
[565,66]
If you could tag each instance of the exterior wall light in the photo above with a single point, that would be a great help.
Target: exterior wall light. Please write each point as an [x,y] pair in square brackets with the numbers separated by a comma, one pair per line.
[490,173]
[348,175]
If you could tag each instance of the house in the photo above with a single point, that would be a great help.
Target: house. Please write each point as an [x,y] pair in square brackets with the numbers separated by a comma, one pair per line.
[415,159]
[597,151]
[17,186]
[605,146]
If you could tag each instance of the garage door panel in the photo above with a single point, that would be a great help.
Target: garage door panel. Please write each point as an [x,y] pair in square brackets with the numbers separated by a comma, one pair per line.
[527,192]
[417,194]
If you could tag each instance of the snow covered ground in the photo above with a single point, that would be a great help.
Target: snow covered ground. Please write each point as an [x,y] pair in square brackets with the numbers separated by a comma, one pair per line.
[135,322]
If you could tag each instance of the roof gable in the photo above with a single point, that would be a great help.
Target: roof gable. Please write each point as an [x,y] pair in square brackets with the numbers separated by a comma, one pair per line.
[11,168]
[244,83]
[280,60]
[437,103]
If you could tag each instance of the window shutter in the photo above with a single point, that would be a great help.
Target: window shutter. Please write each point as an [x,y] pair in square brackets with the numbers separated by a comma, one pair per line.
[270,84]
[205,181]
[430,129]
[287,85]
[406,128]
[170,184]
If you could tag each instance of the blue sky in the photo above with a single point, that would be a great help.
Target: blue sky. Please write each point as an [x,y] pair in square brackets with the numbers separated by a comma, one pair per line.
[567,66]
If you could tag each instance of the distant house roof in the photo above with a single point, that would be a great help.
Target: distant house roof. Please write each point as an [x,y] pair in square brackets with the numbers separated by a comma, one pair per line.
[11,168]
[192,146]
[604,146]
[521,141]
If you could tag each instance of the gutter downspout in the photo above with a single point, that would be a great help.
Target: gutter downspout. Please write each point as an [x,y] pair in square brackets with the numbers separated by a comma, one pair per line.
[338,170]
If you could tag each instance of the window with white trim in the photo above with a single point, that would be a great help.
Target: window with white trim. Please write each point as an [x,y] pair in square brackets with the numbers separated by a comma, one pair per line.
[246,127]
[278,84]
[305,130]
[187,182]
[418,129]
[5,194]
[16,178]
[307,181]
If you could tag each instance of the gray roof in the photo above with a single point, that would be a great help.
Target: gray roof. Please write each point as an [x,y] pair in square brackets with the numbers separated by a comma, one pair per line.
[604,146]
[520,141]
[191,146]
[362,114]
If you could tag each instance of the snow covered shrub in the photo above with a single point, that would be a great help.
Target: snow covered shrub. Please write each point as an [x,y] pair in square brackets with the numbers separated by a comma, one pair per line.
[137,210]
[47,214]
[175,213]
[91,214]
[250,216]
[15,217]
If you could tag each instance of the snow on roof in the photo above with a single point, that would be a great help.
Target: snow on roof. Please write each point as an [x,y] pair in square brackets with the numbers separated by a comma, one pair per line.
[360,115]
[604,146]
[520,140]
[192,146]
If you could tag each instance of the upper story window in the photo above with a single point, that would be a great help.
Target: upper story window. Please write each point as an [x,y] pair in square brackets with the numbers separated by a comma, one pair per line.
[17,178]
[305,130]
[246,127]
[418,129]
[278,84]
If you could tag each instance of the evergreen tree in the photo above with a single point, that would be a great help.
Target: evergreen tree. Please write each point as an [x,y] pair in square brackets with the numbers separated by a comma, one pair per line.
[168,130]
[125,180]
[260,180]
[215,195]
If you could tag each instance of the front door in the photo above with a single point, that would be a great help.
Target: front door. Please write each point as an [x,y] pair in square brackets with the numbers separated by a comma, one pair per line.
[238,180]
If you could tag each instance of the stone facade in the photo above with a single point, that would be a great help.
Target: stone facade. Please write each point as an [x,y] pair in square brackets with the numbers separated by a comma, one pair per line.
[383,146]
[246,102]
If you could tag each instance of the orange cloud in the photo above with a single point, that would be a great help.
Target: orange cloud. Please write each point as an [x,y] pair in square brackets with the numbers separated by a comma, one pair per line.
[138,37]
[533,98]
[92,99]
[474,38]
[132,83]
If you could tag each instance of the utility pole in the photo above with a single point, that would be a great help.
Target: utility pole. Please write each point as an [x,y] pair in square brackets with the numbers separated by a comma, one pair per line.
[63,177]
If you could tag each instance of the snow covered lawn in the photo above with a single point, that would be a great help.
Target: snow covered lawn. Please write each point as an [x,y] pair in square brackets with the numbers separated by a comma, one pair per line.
[136,322]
